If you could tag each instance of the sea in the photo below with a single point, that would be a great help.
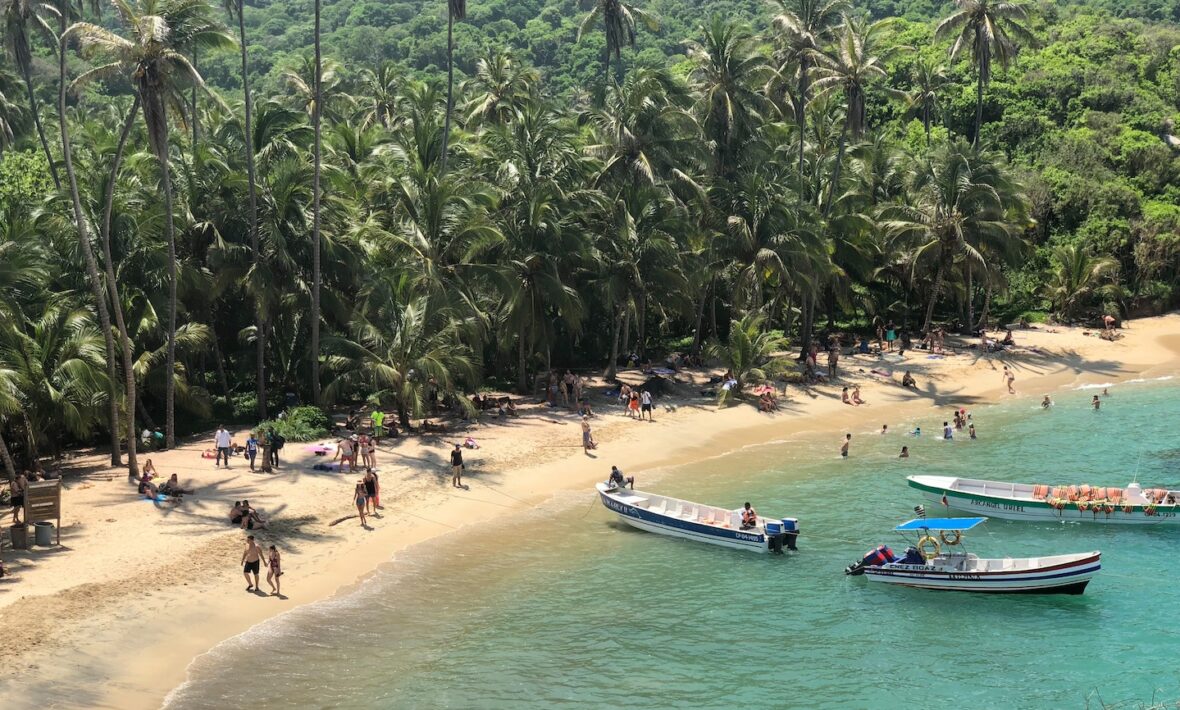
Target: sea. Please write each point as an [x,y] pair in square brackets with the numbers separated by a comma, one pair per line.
[563,606]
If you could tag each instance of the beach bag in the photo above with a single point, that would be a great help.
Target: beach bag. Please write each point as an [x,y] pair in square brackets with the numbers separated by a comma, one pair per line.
[279,441]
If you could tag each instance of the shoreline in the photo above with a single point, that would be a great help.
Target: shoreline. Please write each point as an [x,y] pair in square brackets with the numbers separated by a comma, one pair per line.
[131,660]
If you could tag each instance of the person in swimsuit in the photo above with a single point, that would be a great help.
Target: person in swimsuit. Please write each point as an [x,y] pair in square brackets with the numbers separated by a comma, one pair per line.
[971,430]
[146,487]
[273,571]
[457,466]
[1095,403]
[344,449]
[905,453]
[358,497]
[1009,379]
[907,380]
[370,492]
[251,562]
[587,437]
[890,336]
[844,445]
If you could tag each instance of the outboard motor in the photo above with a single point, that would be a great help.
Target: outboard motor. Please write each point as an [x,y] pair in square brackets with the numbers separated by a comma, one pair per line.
[878,556]
[791,531]
[775,537]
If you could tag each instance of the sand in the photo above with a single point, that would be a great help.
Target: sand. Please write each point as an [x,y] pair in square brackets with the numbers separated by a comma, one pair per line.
[113,616]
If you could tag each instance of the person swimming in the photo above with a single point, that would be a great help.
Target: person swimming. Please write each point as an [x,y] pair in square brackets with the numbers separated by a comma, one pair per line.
[1096,403]
[1046,402]
[917,431]
[905,453]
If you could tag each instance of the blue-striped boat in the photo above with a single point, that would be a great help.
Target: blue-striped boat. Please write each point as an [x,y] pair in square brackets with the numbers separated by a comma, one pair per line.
[929,565]
[694,521]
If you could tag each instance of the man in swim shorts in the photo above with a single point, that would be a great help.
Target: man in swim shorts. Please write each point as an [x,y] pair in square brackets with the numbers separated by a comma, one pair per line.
[645,405]
[844,446]
[251,561]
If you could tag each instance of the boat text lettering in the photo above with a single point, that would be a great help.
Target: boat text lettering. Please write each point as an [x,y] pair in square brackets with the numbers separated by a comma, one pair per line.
[997,506]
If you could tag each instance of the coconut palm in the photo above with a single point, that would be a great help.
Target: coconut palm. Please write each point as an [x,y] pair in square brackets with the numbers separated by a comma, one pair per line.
[380,91]
[155,64]
[727,77]
[21,19]
[1078,278]
[500,87]
[456,10]
[803,27]
[930,83]
[954,194]
[751,353]
[619,22]
[991,29]
[317,249]
[10,111]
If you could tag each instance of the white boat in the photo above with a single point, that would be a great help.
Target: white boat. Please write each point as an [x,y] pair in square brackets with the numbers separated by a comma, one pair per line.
[1132,505]
[929,565]
[694,521]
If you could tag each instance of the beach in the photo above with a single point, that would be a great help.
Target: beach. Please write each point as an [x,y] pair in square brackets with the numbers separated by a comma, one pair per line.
[114,616]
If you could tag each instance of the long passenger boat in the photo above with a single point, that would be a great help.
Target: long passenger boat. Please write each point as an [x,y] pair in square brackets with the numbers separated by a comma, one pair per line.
[696,521]
[939,563]
[1132,505]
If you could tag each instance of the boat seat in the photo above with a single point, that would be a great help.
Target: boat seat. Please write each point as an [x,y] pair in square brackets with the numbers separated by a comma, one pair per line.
[688,512]
[658,507]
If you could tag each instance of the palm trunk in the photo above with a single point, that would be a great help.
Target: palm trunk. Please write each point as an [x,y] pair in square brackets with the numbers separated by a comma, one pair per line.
[259,320]
[987,304]
[696,338]
[926,124]
[805,329]
[450,86]
[96,285]
[113,291]
[522,380]
[193,109]
[934,295]
[9,466]
[28,77]
[641,323]
[801,119]
[220,361]
[613,364]
[627,329]
[170,362]
[984,67]
[146,416]
[836,170]
[970,296]
[315,228]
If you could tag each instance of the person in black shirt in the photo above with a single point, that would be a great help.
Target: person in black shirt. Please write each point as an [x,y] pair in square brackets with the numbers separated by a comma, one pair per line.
[457,467]
[618,480]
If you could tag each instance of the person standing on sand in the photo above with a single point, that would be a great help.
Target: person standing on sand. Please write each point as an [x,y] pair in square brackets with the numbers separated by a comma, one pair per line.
[1010,380]
[457,466]
[833,361]
[645,405]
[274,570]
[251,561]
[222,441]
[844,445]
[587,437]
[252,449]
[358,497]
[20,484]
[370,482]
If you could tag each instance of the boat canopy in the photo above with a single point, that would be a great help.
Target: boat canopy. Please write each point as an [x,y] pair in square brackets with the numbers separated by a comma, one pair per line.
[940,524]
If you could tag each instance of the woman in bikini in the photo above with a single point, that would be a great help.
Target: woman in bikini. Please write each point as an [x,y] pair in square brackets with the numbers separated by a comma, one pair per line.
[274,570]
[370,482]
[358,497]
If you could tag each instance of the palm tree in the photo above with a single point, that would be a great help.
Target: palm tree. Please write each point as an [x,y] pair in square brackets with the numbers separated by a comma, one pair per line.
[1078,278]
[849,68]
[619,21]
[317,275]
[727,77]
[954,194]
[804,26]
[499,88]
[991,28]
[380,88]
[10,112]
[10,405]
[456,10]
[930,82]
[156,66]
[751,353]
[20,18]
[235,8]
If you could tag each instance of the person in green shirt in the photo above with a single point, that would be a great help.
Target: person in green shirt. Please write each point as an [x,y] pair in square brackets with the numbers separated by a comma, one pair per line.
[378,420]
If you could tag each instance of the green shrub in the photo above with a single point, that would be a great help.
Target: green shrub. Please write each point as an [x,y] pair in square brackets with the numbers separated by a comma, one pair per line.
[300,424]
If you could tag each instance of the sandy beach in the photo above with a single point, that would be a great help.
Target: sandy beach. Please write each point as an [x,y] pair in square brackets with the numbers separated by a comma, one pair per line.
[113,616]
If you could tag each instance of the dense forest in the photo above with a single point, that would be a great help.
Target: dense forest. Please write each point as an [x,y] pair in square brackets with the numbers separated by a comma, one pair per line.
[207,211]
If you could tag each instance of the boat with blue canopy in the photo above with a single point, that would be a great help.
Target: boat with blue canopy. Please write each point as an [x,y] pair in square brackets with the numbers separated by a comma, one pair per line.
[938,559]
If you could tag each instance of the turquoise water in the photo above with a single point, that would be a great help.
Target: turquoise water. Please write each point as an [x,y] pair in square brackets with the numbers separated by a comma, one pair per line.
[565,607]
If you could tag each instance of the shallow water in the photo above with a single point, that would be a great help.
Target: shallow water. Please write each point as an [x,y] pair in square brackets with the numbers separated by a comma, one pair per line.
[563,606]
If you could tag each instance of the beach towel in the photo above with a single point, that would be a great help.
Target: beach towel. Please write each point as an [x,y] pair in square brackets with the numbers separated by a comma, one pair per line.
[326,467]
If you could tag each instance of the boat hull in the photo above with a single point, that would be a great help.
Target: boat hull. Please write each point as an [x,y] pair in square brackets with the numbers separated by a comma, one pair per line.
[935,488]
[1065,578]
[637,517]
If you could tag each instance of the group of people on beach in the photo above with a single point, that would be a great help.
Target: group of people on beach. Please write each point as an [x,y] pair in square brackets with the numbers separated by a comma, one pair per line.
[252,561]
[224,446]
[170,489]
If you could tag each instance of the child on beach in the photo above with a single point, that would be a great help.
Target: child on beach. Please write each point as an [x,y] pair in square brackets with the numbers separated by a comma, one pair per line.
[587,437]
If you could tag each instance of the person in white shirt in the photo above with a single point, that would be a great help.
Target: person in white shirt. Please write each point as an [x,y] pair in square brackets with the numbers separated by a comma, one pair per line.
[222,441]
[645,405]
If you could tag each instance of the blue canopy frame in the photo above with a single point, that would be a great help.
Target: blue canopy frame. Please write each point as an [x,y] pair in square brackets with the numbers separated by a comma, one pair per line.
[939,524]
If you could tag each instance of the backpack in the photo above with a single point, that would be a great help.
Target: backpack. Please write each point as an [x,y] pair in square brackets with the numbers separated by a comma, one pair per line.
[279,441]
